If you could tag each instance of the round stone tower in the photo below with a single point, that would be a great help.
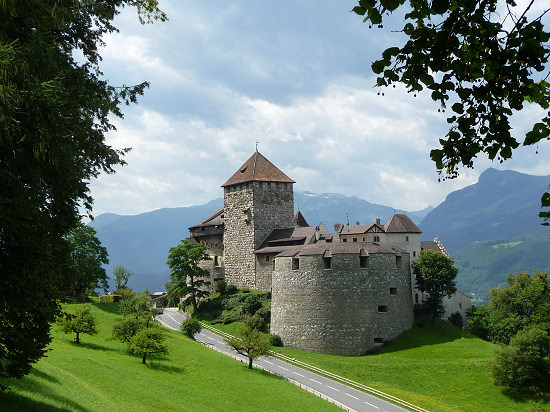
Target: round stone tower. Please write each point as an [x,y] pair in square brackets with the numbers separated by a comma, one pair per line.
[257,199]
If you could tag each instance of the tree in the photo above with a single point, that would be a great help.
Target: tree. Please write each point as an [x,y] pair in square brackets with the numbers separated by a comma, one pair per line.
[435,277]
[54,113]
[81,322]
[148,341]
[122,275]
[483,59]
[86,260]
[525,363]
[186,274]
[250,343]
[190,327]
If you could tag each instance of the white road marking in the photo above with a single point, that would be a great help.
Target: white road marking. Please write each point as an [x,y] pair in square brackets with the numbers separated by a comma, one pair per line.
[171,317]
[374,406]
[266,361]
[328,386]
[315,381]
[299,374]
[351,396]
[283,368]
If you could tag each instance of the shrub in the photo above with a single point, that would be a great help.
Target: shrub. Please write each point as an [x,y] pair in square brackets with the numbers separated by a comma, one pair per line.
[265,313]
[233,302]
[126,294]
[234,315]
[255,322]
[109,298]
[221,287]
[245,290]
[190,327]
[251,304]
[232,289]
[275,340]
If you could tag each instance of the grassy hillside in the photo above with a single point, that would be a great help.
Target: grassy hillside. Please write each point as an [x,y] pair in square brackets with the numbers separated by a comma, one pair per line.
[437,367]
[485,265]
[99,375]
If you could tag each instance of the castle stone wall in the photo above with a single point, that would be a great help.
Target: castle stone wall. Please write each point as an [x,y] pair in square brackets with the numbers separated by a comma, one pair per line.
[344,310]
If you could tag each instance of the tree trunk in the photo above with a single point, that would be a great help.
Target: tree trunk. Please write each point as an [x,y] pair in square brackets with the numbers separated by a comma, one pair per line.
[77,340]
[144,357]
[249,362]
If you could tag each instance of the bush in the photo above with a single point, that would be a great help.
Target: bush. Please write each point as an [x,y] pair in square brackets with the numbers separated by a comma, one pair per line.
[190,327]
[245,290]
[275,340]
[109,298]
[232,289]
[251,304]
[234,315]
[256,322]
[221,287]
[265,313]
[233,302]
[126,294]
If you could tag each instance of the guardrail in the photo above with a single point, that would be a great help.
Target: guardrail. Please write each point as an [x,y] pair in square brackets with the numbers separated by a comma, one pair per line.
[331,375]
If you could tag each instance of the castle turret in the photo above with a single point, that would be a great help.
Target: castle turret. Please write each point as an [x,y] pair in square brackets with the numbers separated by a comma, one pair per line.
[257,199]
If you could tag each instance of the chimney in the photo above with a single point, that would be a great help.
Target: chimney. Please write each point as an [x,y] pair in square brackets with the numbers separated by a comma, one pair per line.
[377,220]
[337,228]
[357,223]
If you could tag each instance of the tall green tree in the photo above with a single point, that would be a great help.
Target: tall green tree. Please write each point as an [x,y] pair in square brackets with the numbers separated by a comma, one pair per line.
[86,272]
[82,321]
[148,341]
[122,276]
[54,113]
[187,277]
[250,343]
[483,60]
[435,277]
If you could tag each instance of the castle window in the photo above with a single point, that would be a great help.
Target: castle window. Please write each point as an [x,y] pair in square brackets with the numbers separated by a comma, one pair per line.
[393,291]
[363,262]
[460,305]
[267,258]
[327,262]
[216,261]
[378,340]
[407,238]
[344,240]
[414,253]
[355,239]
[382,309]
[363,239]
[398,262]
[377,239]
[295,263]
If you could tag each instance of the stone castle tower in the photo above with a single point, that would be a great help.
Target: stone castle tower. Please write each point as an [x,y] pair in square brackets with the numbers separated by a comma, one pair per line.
[257,199]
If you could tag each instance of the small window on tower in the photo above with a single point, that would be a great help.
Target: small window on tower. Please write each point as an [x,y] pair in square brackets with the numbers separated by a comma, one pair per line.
[345,240]
[393,291]
[216,261]
[295,263]
[377,239]
[364,262]
[398,262]
[382,309]
[267,258]
[378,340]
[355,239]
[407,238]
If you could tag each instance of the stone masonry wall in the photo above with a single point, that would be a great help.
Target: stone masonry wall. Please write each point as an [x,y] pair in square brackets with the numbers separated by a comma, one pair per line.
[344,310]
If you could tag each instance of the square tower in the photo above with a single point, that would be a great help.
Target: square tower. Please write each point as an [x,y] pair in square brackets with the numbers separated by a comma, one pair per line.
[257,199]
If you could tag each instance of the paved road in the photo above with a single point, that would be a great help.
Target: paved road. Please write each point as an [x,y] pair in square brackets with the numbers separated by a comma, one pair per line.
[348,398]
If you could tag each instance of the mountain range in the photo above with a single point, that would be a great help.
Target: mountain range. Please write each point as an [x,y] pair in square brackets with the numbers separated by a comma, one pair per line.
[501,206]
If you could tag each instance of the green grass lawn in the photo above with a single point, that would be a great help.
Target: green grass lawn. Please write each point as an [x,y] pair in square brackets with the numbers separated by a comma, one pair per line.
[437,367]
[98,375]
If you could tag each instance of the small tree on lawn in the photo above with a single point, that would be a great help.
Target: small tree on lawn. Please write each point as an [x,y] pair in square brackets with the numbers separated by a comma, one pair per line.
[190,327]
[80,322]
[137,313]
[122,275]
[148,341]
[435,277]
[251,343]
[186,277]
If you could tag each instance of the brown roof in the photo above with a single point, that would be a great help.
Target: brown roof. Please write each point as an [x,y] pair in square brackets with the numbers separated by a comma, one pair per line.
[258,169]
[215,219]
[282,239]
[300,220]
[359,229]
[401,224]
[341,248]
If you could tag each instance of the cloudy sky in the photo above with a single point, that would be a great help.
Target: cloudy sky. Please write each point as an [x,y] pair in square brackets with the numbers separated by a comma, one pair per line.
[293,76]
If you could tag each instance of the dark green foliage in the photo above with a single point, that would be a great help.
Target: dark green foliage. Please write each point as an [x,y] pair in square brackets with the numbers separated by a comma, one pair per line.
[256,322]
[54,113]
[232,289]
[464,54]
[525,363]
[435,277]
[221,286]
[478,322]
[82,321]
[231,316]
[87,256]
[275,340]
[190,327]
[265,313]
[186,277]
[251,304]
[148,341]
[126,327]
[250,342]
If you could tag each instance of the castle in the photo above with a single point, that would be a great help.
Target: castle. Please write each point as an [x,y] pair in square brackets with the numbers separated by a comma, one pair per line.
[344,292]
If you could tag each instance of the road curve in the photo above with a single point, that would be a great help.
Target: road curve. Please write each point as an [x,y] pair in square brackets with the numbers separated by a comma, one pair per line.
[342,395]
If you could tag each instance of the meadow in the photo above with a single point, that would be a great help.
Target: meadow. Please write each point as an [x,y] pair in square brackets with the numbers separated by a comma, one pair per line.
[99,375]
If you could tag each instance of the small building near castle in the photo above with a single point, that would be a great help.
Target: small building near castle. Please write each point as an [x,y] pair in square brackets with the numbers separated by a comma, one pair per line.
[344,292]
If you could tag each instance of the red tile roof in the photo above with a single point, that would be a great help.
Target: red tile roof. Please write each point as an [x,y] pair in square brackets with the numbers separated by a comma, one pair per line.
[258,169]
